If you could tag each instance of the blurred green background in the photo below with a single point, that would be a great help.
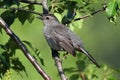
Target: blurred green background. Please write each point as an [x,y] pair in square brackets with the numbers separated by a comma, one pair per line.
[100,37]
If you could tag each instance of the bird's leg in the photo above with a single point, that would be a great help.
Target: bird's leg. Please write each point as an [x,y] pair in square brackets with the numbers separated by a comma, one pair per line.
[55,55]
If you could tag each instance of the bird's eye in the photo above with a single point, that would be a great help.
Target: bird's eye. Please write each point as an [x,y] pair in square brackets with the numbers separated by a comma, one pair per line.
[47,18]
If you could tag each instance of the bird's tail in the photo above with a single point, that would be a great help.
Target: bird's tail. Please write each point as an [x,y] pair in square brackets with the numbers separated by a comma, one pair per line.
[89,56]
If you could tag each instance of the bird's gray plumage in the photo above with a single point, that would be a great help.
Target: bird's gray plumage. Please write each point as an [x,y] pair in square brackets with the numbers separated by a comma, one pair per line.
[60,37]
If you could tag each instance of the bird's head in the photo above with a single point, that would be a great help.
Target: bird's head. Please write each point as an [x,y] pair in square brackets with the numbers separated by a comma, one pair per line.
[48,19]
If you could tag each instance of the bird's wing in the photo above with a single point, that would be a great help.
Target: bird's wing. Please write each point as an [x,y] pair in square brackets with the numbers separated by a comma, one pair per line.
[63,39]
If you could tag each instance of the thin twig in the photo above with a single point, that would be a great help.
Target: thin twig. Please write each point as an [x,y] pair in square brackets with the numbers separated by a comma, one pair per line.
[24,49]
[93,13]
[89,15]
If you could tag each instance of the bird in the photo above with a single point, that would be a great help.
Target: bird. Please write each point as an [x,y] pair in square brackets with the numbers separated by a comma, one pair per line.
[60,38]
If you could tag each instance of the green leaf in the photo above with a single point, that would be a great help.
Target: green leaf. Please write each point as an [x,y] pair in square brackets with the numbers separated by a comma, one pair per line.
[59,17]
[70,5]
[73,24]
[118,4]
[9,3]
[22,16]
[3,59]
[31,7]
[17,65]
[11,46]
[64,14]
[68,16]
[30,17]
[111,9]
[8,16]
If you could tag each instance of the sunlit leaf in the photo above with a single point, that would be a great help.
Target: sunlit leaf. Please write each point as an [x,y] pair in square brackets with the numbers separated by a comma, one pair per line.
[111,8]
[59,17]
[118,4]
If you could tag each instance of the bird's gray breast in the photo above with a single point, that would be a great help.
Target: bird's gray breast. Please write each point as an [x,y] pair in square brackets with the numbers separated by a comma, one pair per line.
[50,38]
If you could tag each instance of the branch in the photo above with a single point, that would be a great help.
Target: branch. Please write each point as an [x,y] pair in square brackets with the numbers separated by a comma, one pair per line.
[24,49]
[93,13]
[58,63]
[45,7]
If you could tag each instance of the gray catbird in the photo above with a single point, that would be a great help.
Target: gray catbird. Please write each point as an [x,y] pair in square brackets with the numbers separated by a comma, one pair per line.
[60,37]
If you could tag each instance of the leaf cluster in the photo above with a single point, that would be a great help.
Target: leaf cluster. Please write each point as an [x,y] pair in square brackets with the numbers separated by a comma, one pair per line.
[113,10]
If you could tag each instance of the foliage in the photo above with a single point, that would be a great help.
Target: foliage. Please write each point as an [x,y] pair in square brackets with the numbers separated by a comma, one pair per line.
[66,11]
[113,9]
